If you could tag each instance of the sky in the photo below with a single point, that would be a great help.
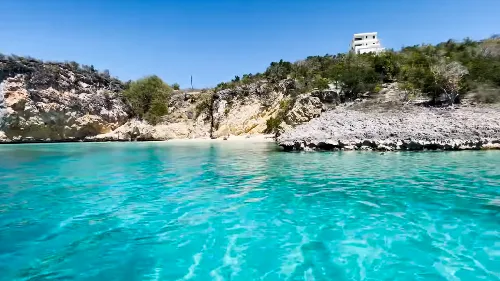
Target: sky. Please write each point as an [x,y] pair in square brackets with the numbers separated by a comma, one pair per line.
[215,40]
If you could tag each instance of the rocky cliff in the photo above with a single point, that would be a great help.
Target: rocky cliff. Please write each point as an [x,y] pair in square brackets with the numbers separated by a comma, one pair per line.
[243,110]
[401,128]
[56,102]
[44,102]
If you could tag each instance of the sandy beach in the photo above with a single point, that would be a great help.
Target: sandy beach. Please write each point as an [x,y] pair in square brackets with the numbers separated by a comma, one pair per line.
[231,138]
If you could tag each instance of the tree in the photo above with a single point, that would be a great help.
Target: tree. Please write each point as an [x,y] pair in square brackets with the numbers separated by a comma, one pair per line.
[148,98]
[409,91]
[486,93]
[354,74]
[278,70]
[106,74]
[176,86]
[320,83]
[247,78]
[74,65]
[386,64]
[449,77]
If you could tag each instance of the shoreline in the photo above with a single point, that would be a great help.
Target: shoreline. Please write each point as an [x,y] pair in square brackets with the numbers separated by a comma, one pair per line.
[260,138]
[389,145]
[410,129]
[253,138]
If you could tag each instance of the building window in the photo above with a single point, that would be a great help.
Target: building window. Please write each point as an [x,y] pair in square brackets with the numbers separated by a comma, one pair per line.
[373,36]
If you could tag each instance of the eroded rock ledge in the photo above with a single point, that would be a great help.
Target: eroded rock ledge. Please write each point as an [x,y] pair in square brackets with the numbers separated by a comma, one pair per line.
[412,128]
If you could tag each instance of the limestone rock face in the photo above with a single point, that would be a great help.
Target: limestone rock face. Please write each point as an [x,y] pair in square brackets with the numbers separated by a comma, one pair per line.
[305,108]
[133,130]
[136,130]
[246,109]
[414,128]
[38,112]
[243,110]
[327,96]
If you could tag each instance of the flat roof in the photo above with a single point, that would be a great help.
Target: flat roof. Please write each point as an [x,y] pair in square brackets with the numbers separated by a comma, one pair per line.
[365,33]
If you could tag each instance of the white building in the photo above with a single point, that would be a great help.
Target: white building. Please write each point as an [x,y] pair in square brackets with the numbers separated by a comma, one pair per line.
[366,43]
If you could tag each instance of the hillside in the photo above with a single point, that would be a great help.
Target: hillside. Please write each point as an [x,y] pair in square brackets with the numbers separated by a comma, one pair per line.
[47,101]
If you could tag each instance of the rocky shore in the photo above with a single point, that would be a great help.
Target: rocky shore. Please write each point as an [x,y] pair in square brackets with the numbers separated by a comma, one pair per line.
[62,102]
[410,128]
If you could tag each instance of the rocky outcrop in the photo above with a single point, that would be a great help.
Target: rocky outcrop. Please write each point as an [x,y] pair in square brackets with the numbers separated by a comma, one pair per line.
[243,110]
[305,108]
[133,130]
[45,102]
[415,128]
[46,112]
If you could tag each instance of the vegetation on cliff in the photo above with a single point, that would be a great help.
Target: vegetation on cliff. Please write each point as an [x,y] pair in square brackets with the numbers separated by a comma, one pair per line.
[148,98]
[273,123]
[443,73]
[55,74]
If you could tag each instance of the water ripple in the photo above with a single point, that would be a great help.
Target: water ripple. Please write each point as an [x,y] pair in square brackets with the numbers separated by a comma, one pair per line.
[160,211]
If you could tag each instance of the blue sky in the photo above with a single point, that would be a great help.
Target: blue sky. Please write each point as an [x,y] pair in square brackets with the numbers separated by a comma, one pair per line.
[215,40]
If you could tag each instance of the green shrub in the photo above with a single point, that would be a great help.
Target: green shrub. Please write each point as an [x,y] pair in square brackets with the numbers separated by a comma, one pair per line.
[176,86]
[319,83]
[223,86]
[148,98]
[273,123]
[204,104]
[278,70]
[357,74]
[487,93]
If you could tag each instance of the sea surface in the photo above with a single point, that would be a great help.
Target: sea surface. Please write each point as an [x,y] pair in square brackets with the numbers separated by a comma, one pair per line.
[244,211]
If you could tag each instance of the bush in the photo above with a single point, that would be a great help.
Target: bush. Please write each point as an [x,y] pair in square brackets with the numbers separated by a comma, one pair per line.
[176,86]
[449,77]
[486,93]
[278,70]
[148,98]
[273,123]
[223,86]
[418,67]
[319,83]
[204,105]
[355,75]
[387,65]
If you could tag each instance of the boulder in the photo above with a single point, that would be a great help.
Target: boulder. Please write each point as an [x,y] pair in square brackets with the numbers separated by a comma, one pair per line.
[306,107]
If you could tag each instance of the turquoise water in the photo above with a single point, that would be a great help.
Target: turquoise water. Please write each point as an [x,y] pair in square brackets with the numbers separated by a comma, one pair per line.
[236,211]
